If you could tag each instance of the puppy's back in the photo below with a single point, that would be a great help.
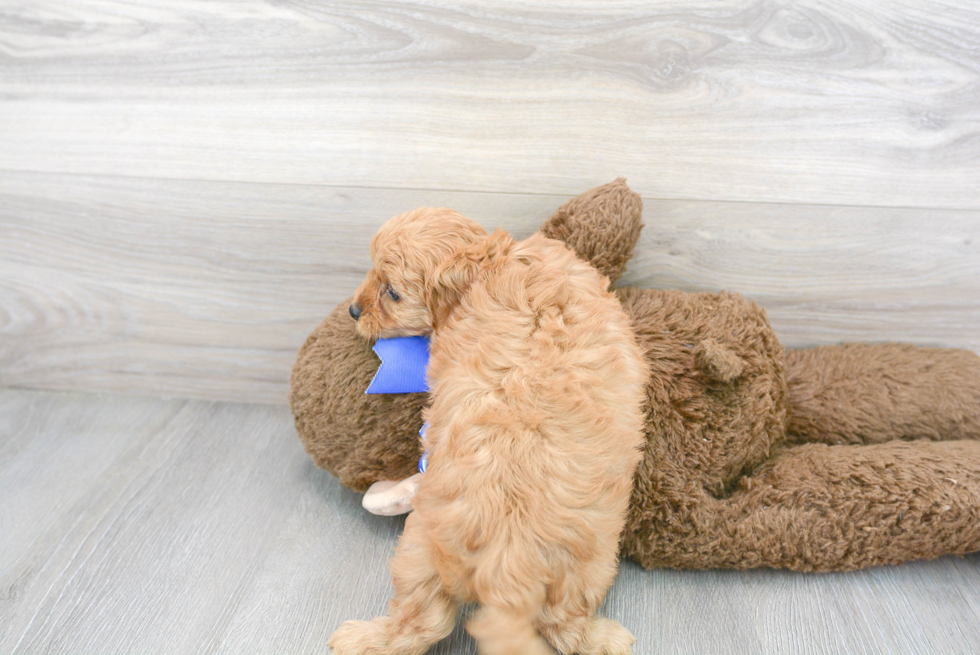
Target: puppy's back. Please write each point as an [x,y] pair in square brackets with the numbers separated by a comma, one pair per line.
[537,385]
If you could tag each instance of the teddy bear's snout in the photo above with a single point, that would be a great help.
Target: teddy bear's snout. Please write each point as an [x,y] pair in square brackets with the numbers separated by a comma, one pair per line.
[355,311]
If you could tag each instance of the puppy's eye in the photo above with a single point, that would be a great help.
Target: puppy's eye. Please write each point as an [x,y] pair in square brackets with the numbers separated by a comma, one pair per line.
[393,294]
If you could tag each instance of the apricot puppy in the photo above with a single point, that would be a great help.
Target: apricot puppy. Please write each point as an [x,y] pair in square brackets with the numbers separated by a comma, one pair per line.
[534,429]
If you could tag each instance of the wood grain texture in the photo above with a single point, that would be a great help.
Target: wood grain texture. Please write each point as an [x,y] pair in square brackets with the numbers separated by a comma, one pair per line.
[824,274]
[205,289]
[186,288]
[136,525]
[820,101]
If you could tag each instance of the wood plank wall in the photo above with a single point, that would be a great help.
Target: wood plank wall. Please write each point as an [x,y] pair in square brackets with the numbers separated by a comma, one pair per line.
[187,188]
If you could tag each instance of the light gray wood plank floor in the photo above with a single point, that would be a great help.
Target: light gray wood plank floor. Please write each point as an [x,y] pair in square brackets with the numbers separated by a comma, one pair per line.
[139,525]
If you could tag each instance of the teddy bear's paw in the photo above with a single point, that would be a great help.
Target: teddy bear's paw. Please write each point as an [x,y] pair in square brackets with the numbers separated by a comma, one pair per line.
[607,637]
[361,638]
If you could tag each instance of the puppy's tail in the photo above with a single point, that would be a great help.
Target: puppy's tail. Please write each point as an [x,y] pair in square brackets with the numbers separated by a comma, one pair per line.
[507,631]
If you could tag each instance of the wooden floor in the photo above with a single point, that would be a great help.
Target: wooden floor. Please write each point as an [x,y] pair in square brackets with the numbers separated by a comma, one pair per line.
[138,525]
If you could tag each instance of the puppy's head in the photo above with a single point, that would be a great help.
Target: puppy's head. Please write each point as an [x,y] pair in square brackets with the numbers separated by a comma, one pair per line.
[423,261]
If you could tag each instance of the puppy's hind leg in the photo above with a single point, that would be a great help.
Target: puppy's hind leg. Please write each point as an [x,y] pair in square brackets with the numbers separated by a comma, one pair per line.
[568,619]
[592,635]
[507,631]
[421,613]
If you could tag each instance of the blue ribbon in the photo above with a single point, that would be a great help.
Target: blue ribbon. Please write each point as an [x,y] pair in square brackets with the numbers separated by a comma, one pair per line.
[403,364]
[424,459]
[402,370]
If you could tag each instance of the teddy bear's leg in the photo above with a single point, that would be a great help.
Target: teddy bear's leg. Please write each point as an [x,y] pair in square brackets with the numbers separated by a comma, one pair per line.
[816,507]
[846,507]
[859,393]
[421,613]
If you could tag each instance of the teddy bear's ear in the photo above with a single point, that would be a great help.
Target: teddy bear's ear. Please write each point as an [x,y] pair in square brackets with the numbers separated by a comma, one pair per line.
[602,226]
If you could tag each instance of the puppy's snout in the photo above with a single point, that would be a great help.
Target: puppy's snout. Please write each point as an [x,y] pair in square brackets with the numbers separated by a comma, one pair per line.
[355,311]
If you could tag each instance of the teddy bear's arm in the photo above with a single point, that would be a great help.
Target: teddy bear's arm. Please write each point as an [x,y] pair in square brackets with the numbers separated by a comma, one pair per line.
[602,226]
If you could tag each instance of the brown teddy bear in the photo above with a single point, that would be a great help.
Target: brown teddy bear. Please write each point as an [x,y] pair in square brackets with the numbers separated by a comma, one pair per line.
[830,458]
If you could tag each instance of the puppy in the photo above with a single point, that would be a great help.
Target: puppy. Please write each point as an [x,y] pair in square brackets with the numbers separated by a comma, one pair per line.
[534,431]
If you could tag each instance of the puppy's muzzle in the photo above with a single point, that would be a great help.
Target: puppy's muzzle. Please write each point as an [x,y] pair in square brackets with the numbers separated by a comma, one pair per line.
[355,311]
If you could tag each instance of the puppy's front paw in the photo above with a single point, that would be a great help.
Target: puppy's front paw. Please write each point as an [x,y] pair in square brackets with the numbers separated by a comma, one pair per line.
[361,638]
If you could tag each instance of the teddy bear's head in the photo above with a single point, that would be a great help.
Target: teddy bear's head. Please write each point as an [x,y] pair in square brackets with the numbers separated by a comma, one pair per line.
[363,438]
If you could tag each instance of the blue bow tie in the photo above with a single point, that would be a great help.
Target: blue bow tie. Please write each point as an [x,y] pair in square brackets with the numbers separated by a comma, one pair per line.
[403,364]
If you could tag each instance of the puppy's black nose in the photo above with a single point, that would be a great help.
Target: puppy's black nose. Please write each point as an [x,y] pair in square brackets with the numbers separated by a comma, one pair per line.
[355,311]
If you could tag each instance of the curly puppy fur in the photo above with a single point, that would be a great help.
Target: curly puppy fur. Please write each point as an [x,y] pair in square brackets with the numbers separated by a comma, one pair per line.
[534,431]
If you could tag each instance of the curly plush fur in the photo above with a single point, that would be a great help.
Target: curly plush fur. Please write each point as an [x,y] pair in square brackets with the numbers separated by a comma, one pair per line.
[829,458]
[533,434]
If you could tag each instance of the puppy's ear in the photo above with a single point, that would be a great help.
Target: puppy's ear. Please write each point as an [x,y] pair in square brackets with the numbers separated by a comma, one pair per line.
[454,276]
